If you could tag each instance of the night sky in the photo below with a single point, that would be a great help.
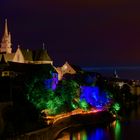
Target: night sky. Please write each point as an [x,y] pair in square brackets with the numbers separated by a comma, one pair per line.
[81,32]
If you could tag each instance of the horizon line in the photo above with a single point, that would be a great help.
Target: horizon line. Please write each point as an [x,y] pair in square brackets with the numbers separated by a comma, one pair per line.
[110,67]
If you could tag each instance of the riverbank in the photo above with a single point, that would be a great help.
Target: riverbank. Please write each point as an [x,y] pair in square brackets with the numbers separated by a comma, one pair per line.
[126,129]
[99,118]
[94,119]
[53,131]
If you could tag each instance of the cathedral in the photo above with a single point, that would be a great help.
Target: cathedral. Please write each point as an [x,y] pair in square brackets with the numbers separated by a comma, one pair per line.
[27,56]
[21,55]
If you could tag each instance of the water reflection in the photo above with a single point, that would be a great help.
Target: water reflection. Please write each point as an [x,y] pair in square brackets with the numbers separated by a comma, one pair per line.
[116,126]
[92,133]
[126,129]
[98,134]
[82,135]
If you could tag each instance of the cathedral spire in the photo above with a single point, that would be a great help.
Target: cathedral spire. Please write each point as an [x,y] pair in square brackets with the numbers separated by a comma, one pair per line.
[43,47]
[115,74]
[6,40]
[6,28]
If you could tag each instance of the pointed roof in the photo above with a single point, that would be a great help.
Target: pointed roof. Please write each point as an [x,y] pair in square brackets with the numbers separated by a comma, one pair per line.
[67,68]
[6,28]
[9,56]
[27,54]
[74,67]
[9,37]
[41,55]
[6,40]
[36,55]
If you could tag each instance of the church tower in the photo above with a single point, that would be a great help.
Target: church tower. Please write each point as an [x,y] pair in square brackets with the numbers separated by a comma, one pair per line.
[115,74]
[6,40]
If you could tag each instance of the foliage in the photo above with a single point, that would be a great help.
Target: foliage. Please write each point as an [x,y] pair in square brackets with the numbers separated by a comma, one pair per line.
[37,94]
[83,104]
[65,98]
[115,107]
[55,106]
[60,100]
[66,95]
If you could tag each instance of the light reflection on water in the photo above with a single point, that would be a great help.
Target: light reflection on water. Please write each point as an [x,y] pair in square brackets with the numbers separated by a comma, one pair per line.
[127,129]
[116,126]
[92,133]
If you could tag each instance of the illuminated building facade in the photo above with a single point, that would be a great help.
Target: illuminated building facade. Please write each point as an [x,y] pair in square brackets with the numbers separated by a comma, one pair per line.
[24,60]
[21,55]
[27,56]
[67,69]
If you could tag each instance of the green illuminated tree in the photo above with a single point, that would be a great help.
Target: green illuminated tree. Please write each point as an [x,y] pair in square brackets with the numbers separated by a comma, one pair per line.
[64,99]
[83,104]
[37,94]
[69,94]
[55,106]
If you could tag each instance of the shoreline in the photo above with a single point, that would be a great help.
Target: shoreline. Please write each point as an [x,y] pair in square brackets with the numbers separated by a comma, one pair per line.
[53,131]
[100,118]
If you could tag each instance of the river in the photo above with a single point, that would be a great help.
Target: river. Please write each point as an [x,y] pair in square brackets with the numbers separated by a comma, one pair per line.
[128,128]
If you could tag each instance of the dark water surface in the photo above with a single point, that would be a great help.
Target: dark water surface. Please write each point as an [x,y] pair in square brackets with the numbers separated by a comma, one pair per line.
[128,128]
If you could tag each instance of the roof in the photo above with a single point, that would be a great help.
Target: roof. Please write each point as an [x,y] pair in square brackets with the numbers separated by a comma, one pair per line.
[76,68]
[27,54]
[41,55]
[36,55]
[9,56]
